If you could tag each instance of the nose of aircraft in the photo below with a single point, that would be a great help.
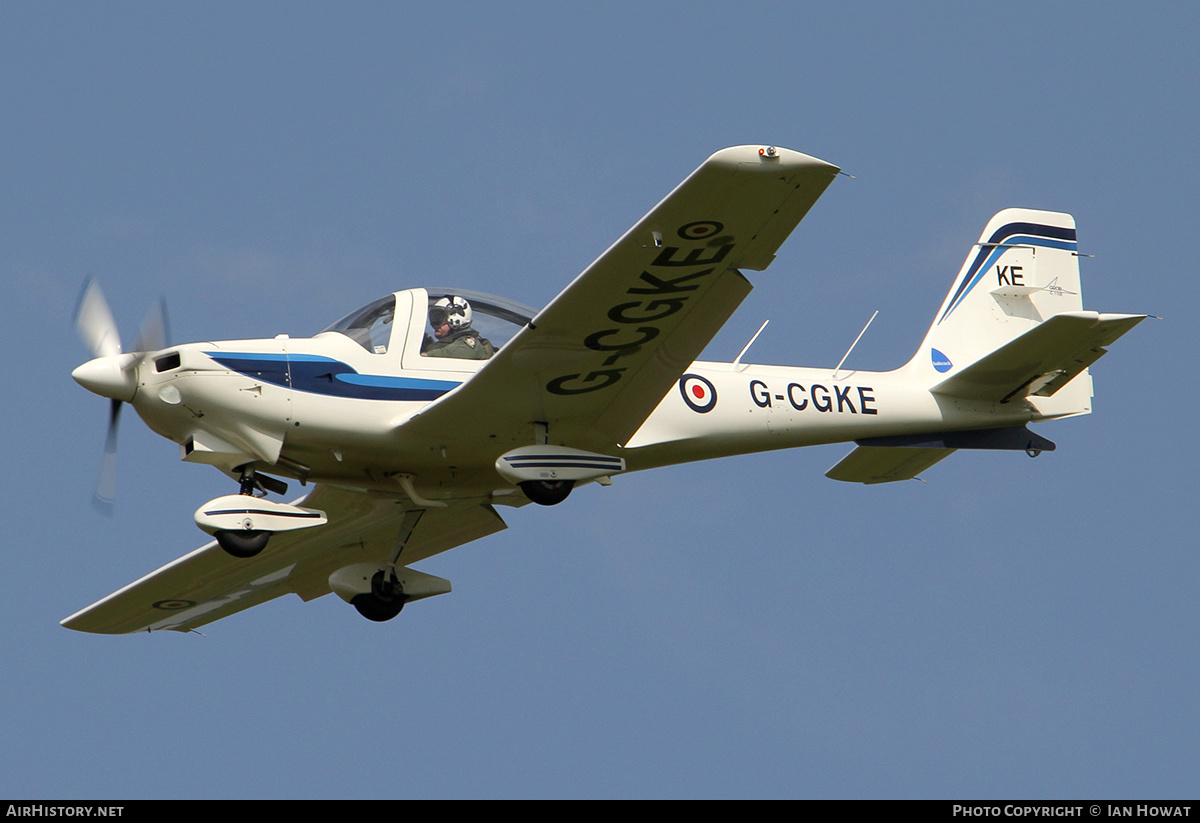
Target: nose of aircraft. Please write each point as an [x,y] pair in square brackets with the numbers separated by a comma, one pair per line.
[114,376]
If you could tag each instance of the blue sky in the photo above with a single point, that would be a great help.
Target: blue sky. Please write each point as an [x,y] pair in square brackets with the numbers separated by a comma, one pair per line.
[740,628]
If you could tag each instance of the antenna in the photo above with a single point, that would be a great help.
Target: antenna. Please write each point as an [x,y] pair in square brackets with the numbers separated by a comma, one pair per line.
[746,348]
[852,345]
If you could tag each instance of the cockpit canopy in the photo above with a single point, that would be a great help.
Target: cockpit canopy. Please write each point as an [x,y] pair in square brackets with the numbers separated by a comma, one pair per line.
[369,326]
[494,319]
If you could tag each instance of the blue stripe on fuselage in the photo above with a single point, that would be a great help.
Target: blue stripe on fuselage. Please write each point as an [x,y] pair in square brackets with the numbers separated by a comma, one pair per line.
[317,374]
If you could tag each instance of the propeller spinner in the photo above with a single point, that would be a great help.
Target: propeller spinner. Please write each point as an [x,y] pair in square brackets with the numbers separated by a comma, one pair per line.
[112,373]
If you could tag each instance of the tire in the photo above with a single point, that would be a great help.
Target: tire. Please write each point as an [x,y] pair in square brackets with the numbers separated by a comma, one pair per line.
[242,543]
[385,600]
[377,609]
[547,492]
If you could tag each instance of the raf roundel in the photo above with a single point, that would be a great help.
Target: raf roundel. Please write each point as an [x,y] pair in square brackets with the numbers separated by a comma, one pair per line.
[698,393]
[174,605]
[701,230]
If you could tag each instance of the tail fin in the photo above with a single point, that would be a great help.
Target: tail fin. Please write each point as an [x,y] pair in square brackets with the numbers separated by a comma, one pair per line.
[1011,330]
[1023,270]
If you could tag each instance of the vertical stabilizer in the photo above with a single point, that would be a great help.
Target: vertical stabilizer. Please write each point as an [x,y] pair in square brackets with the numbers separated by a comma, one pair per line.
[1023,270]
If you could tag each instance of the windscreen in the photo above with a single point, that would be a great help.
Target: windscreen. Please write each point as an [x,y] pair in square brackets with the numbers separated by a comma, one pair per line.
[369,326]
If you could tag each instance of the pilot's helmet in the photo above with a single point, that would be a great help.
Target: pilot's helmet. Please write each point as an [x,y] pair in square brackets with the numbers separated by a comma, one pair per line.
[450,309]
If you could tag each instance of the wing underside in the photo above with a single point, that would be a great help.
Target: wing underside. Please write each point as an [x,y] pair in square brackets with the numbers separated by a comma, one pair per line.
[208,584]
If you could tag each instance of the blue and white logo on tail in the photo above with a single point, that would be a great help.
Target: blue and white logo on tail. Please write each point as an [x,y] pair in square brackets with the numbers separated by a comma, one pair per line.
[940,361]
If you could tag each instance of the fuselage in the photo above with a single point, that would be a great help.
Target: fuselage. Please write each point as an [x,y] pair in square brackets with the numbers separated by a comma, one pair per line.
[331,409]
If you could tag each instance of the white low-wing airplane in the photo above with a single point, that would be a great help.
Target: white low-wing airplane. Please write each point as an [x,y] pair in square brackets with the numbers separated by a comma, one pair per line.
[412,440]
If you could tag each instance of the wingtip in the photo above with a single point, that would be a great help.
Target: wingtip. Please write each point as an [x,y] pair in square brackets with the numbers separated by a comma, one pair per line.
[770,157]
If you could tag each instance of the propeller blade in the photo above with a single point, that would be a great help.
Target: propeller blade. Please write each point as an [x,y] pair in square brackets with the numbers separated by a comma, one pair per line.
[94,322]
[106,483]
[114,379]
[155,331]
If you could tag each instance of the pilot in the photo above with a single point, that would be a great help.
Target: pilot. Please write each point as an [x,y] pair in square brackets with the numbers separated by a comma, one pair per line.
[450,318]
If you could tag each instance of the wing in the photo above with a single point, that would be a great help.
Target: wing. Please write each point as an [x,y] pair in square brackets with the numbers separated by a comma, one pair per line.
[597,360]
[208,584]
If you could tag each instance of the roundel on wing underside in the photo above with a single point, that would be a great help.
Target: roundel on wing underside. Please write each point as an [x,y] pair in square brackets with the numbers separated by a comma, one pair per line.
[698,393]
[173,605]
[701,230]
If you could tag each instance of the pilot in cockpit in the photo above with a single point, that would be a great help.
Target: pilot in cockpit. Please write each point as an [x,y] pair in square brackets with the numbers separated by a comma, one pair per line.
[450,318]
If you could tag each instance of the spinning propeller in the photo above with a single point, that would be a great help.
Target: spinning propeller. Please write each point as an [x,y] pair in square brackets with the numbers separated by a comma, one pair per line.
[112,373]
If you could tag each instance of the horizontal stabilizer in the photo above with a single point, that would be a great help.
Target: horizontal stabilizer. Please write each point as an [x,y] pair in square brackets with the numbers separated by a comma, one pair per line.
[884,464]
[1012,438]
[1042,360]
[904,456]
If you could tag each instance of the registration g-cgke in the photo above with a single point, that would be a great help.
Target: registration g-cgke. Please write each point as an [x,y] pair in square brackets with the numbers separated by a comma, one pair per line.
[412,420]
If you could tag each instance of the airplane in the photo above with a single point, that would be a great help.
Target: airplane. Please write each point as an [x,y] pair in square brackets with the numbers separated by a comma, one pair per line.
[412,440]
